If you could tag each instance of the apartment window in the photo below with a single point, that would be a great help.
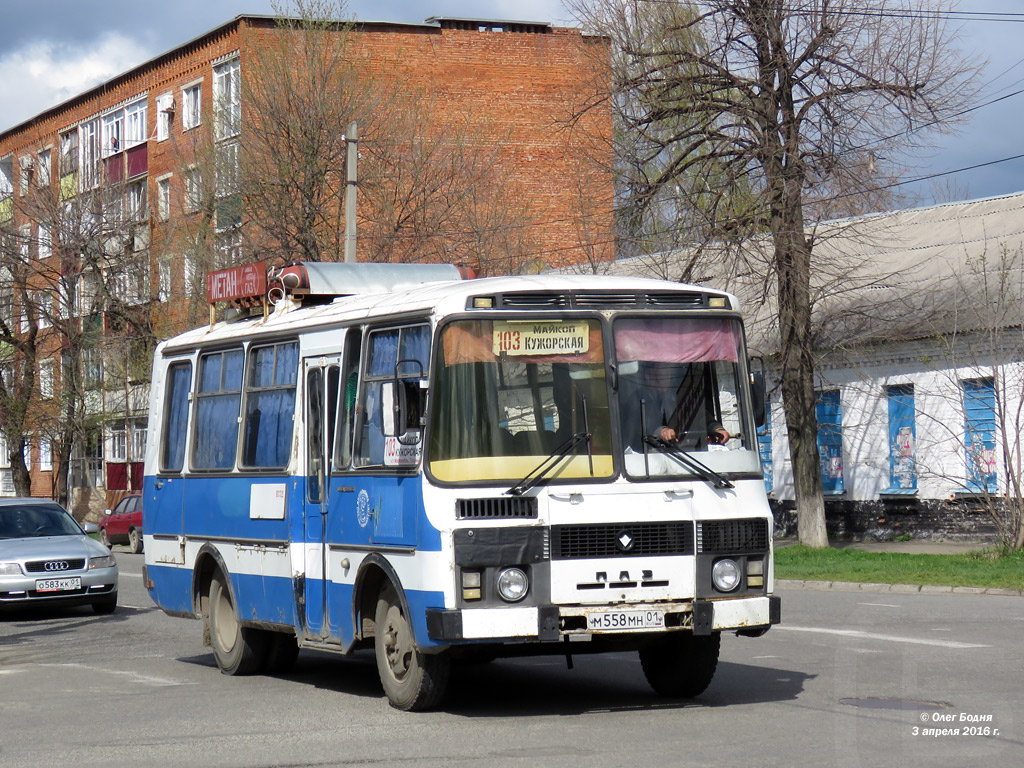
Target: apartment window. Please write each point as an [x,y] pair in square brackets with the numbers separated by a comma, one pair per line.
[193,190]
[43,303]
[229,247]
[135,124]
[227,95]
[164,116]
[138,441]
[191,275]
[163,198]
[25,174]
[980,434]
[44,240]
[191,101]
[43,168]
[45,454]
[830,440]
[228,168]
[89,143]
[135,201]
[69,153]
[25,241]
[118,443]
[46,379]
[113,133]
[92,368]
[164,279]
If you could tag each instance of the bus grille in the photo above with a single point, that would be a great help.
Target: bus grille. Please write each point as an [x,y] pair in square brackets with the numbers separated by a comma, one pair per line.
[727,536]
[496,509]
[573,542]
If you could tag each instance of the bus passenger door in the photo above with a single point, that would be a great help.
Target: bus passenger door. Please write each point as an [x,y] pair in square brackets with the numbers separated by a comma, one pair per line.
[321,376]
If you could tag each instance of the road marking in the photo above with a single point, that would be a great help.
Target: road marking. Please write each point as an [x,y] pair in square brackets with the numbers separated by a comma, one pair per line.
[873,636]
[881,605]
[135,676]
[136,575]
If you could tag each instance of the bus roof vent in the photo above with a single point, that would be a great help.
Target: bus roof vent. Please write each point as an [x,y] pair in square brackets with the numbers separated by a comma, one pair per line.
[675,299]
[534,300]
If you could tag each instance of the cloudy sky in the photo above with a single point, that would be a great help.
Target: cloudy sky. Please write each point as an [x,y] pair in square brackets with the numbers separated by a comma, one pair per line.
[51,50]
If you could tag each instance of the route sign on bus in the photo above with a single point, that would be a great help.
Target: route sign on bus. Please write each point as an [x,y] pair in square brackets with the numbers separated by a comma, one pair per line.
[248,281]
[541,338]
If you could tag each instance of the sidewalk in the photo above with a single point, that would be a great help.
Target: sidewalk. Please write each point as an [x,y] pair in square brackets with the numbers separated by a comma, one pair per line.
[913,547]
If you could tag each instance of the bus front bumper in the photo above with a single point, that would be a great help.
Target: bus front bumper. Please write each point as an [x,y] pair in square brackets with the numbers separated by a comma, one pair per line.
[547,623]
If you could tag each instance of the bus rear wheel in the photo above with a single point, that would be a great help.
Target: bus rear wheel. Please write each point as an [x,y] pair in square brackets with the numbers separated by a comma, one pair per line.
[412,680]
[681,664]
[238,650]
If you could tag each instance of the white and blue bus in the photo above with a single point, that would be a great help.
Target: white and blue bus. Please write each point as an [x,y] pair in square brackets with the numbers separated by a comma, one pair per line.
[438,469]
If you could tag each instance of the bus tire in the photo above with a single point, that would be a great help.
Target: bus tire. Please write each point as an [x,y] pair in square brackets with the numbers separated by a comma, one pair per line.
[412,681]
[681,664]
[238,650]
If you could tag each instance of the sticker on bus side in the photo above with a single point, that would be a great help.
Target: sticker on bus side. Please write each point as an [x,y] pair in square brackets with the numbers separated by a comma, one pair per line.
[541,338]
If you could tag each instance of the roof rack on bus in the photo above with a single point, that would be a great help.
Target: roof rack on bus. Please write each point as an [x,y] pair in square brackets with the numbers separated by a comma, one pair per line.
[257,285]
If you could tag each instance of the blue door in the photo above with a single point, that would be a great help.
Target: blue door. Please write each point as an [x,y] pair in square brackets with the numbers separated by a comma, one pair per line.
[830,440]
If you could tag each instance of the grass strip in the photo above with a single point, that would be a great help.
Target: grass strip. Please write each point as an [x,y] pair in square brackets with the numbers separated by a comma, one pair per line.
[975,569]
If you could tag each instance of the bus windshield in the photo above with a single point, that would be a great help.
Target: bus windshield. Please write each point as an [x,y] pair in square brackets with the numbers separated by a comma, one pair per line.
[679,391]
[509,394]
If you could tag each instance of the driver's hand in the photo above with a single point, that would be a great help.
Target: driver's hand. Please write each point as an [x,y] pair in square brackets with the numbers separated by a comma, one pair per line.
[667,434]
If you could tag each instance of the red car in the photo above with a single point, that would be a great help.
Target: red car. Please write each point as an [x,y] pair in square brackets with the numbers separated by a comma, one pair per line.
[123,523]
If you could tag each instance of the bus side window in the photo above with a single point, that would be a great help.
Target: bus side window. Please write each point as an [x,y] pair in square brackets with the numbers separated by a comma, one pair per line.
[348,398]
[172,443]
[270,405]
[219,400]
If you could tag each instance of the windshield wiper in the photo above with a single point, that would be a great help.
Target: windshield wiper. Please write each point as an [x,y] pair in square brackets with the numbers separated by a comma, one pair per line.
[542,470]
[705,472]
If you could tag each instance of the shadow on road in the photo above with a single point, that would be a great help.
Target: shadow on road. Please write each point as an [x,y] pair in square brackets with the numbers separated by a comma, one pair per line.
[544,686]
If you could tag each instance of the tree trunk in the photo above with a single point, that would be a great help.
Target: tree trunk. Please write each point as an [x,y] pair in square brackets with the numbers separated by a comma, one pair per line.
[19,470]
[793,256]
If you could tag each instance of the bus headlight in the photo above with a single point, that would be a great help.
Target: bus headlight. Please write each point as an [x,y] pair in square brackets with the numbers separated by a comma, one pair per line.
[512,584]
[726,575]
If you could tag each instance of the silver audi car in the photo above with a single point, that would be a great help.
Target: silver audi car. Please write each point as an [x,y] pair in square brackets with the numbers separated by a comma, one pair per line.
[47,558]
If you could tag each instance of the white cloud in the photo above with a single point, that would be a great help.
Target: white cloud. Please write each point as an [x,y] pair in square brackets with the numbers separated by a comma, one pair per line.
[44,74]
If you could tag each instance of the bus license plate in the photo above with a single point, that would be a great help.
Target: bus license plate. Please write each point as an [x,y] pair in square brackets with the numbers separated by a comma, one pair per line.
[625,621]
[58,585]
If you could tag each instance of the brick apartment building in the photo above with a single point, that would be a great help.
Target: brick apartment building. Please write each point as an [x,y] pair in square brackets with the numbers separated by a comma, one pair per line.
[132,143]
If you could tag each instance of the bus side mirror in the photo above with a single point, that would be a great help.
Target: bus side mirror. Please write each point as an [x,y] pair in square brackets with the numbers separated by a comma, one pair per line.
[759,398]
[390,408]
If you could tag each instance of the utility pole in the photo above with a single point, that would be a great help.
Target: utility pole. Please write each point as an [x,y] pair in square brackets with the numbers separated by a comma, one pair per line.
[351,154]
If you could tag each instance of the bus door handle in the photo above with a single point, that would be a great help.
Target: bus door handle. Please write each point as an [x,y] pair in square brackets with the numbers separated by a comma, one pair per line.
[346,489]
[158,484]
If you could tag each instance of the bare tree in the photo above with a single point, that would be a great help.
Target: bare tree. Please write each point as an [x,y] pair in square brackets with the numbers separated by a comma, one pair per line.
[791,101]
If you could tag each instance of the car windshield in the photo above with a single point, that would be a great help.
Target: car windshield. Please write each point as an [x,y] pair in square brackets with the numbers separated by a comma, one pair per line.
[18,522]
[511,394]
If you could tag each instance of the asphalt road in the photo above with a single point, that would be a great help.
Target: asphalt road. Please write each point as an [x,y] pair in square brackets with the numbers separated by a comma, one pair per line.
[848,679]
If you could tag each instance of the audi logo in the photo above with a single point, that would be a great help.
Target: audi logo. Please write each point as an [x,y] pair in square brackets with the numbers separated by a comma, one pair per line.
[57,565]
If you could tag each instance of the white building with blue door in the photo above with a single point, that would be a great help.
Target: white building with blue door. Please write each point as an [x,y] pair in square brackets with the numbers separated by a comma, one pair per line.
[919,325]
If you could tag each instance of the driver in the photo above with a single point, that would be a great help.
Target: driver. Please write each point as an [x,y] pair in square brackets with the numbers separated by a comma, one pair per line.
[717,434]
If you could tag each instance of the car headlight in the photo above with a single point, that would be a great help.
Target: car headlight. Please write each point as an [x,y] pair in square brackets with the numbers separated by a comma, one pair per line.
[10,569]
[726,575]
[512,584]
[102,562]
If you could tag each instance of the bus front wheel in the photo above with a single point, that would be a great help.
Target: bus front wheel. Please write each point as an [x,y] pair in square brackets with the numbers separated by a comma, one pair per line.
[681,664]
[238,650]
[412,680]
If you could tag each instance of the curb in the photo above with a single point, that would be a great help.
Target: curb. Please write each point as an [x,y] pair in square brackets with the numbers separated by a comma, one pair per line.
[903,589]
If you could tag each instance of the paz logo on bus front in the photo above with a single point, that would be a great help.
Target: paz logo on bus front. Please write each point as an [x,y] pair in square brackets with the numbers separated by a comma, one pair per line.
[541,338]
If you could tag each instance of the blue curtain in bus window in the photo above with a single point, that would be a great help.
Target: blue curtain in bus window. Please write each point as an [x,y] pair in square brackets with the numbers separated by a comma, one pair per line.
[415,345]
[219,401]
[383,353]
[764,446]
[179,378]
[830,440]
[270,405]
[980,434]
[902,439]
